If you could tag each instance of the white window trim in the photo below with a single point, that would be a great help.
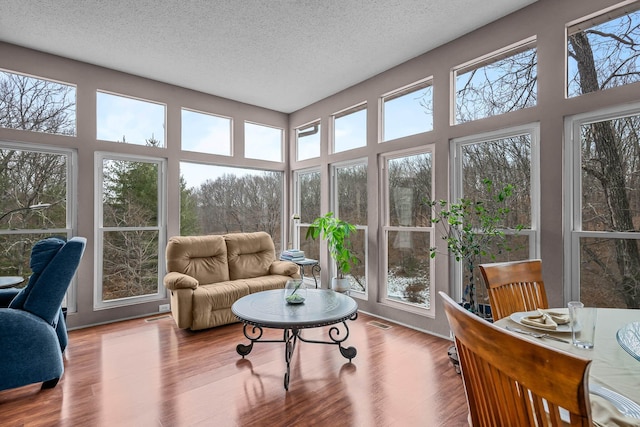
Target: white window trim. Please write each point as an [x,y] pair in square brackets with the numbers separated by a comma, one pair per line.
[71,206]
[161,228]
[313,123]
[282,138]
[533,233]
[136,98]
[191,110]
[489,58]
[334,204]
[397,93]
[332,125]
[385,228]
[295,240]
[573,200]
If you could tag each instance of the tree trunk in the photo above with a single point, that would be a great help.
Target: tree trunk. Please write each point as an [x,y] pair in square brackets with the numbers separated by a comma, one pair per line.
[611,177]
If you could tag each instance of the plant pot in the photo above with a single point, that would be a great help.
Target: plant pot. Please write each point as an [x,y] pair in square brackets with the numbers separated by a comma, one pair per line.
[340,285]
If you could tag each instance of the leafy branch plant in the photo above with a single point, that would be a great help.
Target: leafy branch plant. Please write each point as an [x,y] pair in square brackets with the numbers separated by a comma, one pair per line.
[471,229]
[336,232]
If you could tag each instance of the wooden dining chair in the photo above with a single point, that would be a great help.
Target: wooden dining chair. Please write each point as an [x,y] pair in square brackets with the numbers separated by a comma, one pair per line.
[513,381]
[514,286]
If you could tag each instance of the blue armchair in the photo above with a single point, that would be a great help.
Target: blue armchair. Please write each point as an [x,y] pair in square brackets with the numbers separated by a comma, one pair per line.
[33,333]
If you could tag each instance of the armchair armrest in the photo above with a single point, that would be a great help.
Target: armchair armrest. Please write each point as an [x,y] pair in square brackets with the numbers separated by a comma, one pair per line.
[31,350]
[283,268]
[174,280]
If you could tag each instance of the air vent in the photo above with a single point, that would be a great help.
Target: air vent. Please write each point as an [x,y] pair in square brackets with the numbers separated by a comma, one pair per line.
[379,324]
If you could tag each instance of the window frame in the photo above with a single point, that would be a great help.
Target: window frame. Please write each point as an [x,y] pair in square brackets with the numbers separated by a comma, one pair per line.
[134,98]
[301,129]
[573,200]
[60,82]
[282,140]
[335,209]
[100,230]
[205,113]
[482,61]
[297,200]
[296,226]
[602,16]
[71,205]
[362,106]
[398,93]
[456,190]
[386,228]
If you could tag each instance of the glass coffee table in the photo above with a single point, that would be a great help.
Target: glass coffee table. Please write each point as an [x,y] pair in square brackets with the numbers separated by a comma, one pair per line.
[268,309]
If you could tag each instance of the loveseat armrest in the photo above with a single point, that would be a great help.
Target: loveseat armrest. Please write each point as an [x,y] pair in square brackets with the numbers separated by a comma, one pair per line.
[283,268]
[174,280]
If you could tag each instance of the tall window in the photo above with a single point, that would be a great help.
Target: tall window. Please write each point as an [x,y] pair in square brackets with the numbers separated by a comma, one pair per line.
[604,244]
[35,203]
[604,51]
[350,128]
[131,229]
[496,84]
[307,206]
[308,141]
[206,133]
[350,204]
[263,142]
[408,111]
[508,157]
[407,228]
[130,120]
[38,105]
[220,200]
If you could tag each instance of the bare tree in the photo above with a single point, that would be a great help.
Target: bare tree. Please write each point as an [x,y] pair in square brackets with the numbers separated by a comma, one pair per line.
[241,203]
[28,178]
[506,84]
[603,157]
[38,105]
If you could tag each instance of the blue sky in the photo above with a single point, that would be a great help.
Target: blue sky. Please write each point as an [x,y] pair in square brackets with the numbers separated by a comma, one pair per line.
[138,120]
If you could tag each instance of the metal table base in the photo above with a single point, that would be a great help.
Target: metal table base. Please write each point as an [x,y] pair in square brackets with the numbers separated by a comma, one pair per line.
[291,336]
[326,308]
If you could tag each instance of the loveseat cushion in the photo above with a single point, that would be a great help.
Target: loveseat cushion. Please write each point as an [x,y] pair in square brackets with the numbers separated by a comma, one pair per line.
[265,283]
[210,299]
[202,257]
[284,268]
[249,254]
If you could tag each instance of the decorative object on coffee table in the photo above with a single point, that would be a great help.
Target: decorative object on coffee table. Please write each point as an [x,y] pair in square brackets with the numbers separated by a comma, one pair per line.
[295,291]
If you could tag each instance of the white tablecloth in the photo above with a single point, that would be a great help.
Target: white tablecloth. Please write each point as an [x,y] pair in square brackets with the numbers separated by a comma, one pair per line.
[611,367]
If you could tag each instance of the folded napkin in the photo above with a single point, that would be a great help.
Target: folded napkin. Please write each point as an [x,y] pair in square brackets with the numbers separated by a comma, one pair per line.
[559,318]
[546,319]
[540,320]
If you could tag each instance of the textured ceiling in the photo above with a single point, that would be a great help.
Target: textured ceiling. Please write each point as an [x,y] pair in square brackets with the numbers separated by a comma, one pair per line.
[278,54]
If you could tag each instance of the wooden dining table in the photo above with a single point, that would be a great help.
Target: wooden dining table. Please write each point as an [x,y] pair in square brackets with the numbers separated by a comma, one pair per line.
[612,367]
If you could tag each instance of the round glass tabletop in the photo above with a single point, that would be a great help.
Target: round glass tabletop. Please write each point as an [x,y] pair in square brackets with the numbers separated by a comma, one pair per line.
[269,309]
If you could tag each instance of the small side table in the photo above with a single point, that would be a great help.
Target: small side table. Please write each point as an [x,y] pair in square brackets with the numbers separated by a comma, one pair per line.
[10,281]
[313,263]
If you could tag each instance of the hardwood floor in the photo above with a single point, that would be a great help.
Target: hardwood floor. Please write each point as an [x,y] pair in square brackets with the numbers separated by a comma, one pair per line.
[147,372]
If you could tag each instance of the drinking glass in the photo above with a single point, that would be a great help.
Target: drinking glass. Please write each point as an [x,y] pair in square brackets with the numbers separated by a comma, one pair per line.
[583,324]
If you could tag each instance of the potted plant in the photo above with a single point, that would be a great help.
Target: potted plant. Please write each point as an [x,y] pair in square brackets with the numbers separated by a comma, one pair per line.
[471,230]
[336,232]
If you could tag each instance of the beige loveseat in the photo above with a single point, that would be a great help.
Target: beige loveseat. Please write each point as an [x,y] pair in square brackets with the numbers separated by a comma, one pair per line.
[207,274]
